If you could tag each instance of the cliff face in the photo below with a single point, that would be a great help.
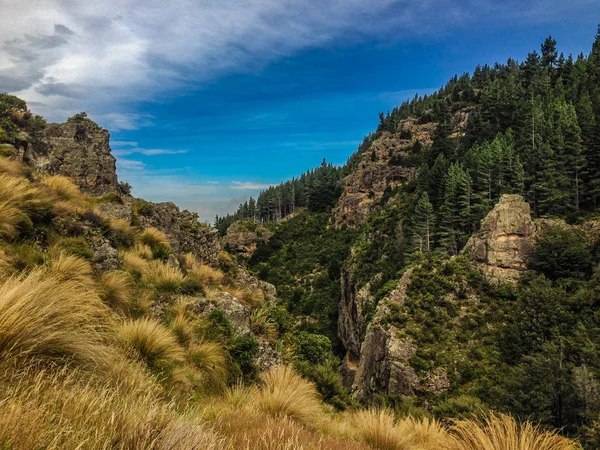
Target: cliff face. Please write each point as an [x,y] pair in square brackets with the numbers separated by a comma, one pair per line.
[503,245]
[380,166]
[243,236]
[80,150]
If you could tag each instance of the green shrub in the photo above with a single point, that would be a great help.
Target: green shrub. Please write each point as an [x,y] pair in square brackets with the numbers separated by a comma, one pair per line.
[315,348]
[562,253]
[76,246]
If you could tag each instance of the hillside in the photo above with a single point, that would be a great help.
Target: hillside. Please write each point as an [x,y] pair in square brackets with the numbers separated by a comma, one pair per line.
[453,261]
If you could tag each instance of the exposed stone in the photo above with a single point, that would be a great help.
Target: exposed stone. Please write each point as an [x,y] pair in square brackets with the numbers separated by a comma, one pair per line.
[186,234]
[384,365]
[116,211]
[384,165]
[267,357]
[80,150]
[504,243]
[352,311]
[243,236]
[106,257]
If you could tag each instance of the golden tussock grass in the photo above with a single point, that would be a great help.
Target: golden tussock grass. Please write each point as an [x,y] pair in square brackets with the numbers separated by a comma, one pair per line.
[183,329]
[123,231]
[67,267]
[205,275]
[143,251]
[70,414]
[5,265]
[163,276]
[116,290]
[11,167]
[502,432]
[47,317]
[18,200]
[286,394]
[154,238]
[64,189]
[209,359]
[134,263]
[154,344]
[377,428]
[249,429]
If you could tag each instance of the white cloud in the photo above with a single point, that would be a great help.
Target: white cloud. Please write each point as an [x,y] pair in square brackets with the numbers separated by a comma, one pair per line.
[64,56]
[248,185]
[130,164]
[147,151]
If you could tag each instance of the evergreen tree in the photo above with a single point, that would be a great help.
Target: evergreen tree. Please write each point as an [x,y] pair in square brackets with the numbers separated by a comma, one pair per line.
[424,220]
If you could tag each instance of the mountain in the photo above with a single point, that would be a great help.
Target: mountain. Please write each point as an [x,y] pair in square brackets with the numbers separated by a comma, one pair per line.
[453,261]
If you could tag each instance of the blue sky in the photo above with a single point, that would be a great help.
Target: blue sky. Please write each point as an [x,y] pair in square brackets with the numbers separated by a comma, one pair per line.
[209,102]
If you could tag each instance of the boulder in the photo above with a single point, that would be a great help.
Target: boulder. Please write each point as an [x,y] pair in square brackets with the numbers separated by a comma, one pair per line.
[502,246]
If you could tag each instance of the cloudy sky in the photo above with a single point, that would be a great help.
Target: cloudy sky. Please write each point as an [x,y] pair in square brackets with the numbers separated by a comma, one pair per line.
[209,101]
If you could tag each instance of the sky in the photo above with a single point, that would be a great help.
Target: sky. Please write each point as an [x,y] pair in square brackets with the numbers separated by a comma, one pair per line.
[210,101]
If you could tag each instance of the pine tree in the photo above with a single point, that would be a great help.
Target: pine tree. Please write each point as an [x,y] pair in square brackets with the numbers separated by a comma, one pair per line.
[424,221]
[549,52]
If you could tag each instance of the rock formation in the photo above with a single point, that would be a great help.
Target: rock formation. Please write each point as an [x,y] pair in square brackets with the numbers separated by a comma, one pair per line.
[352,312]
[503,245]
[79,149]
[384,365]
[243,236]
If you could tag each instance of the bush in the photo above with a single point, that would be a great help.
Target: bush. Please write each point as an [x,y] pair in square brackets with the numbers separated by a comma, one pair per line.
[314,348]
[76,246]
[562,253]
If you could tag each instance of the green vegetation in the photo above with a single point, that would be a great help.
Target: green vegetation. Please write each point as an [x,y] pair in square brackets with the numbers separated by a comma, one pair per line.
[303,260]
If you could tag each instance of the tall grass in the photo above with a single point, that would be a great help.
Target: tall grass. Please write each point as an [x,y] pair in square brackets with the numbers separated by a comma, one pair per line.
[117,290]
[11,167]
[19,200]
[154,238]
[56,411]
[63,189]
[134,263]
[286,394]
[377,428]
[154,344]
[164,276]
[47,317]
[502,432]
[209,359]
[201,273]
[73,268]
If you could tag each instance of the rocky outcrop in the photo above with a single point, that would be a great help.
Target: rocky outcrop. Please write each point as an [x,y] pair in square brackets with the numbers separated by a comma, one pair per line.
[243,236]
[186,234]
[380,166]
[352,320]
[503,245]
[80,150]
[385,354]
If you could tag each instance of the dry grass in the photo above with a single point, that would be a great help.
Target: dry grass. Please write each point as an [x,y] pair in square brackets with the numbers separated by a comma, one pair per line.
[205,275]
[208,358]
[69,414]
[64,189]
[11,167]
[117,290]
[164,276]
[154,344]
[502,432]
[286,394]
[18,200]
[48,317]
[183,329]
[154,238]
[5,265]
[143,251]
[134,263]
[248,429]
[123,232]
[425,433]
[377,428]
[67,267]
